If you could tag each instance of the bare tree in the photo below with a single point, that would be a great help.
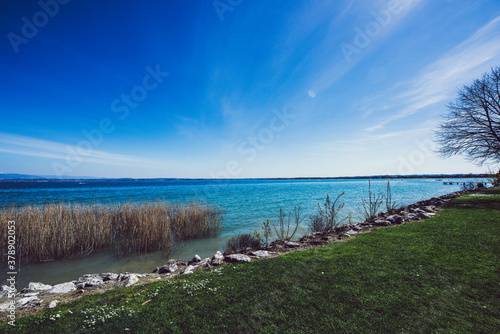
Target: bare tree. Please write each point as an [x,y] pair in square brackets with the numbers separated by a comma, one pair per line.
[472,126]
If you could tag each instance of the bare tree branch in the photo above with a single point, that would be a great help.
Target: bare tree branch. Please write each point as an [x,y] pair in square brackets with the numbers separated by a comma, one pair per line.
[472,125]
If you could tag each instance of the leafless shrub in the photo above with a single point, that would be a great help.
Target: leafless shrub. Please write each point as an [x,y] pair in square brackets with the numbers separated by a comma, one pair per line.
[285,223]
[241,242]
[327,216]
[389,203]
[371,207]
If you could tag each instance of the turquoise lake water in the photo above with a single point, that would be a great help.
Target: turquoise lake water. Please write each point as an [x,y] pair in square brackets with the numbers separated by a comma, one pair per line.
[245,203]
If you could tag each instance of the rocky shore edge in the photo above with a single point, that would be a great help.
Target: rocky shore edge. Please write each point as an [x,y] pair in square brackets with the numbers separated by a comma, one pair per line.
[38,296]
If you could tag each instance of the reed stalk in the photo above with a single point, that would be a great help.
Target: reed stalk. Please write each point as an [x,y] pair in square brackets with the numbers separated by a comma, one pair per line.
[61,231]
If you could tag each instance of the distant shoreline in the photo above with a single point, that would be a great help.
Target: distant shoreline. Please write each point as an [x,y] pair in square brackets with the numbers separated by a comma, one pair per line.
[22,177]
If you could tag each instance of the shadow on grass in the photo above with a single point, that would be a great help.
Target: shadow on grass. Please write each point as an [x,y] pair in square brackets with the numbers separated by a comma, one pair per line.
[487,199]
[492,191]
[477,204]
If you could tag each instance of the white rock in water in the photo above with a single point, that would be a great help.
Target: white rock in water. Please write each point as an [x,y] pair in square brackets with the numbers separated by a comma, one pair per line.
[34,286]
[63,288]
[53,303]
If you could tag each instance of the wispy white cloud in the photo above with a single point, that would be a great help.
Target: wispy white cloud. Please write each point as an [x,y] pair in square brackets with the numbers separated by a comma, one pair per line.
[339,65]
[35,147]
[368,142]
[438,81]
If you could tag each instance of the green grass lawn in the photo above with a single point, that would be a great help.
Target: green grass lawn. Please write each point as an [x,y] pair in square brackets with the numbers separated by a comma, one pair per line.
[440,275]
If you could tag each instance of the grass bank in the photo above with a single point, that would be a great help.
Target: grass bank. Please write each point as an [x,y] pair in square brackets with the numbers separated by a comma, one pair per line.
[59,231]
[439,275]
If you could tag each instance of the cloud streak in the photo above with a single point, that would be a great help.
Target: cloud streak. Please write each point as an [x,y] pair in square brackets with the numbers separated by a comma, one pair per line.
[439,80]
[35,147]
[340,66]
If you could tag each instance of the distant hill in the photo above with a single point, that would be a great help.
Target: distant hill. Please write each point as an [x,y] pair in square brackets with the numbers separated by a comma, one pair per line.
[13,176]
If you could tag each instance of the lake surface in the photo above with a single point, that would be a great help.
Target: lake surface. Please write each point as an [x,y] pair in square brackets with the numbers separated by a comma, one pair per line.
[245,203]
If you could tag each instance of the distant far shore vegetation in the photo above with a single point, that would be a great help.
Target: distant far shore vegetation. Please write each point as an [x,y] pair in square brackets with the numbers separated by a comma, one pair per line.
[24,177]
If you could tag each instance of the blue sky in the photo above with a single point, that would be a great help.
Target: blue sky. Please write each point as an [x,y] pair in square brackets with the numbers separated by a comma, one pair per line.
[235,88]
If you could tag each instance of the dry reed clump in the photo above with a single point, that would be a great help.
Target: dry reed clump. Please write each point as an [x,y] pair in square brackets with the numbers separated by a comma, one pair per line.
[59,231]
